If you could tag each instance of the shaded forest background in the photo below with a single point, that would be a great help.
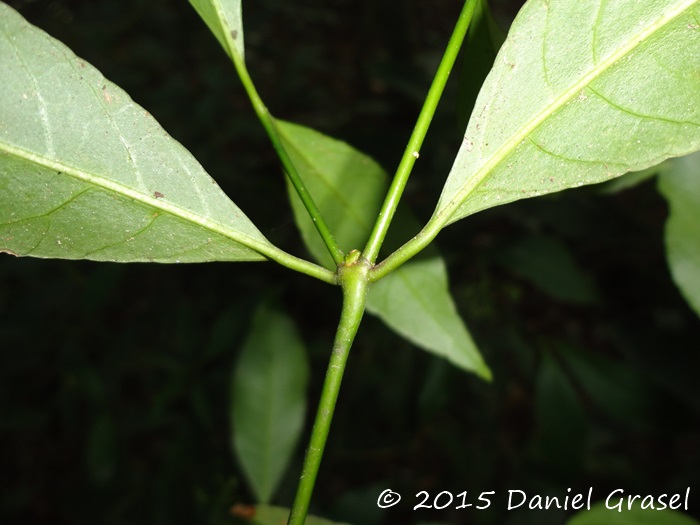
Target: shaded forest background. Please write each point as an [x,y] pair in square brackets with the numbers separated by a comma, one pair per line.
[115,379]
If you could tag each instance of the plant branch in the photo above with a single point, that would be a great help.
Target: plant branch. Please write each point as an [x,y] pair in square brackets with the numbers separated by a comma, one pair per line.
[407,251]
[300,265]
[268,122]
[412,150]
[354,280]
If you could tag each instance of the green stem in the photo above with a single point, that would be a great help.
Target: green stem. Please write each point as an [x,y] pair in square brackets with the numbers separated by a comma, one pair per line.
[408,250]
[410,155]
[268,122]
[300,265]
[354,279]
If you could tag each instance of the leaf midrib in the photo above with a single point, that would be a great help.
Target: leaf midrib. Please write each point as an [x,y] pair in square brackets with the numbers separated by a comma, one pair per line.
[444,215]
[157,203]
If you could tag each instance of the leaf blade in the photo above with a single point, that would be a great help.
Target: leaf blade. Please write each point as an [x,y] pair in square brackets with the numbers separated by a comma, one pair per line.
[415,301]
[71,142]
[346,185]
[269,400]
[546,118]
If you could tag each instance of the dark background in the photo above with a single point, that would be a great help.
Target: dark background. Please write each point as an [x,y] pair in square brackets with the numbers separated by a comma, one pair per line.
[115,378]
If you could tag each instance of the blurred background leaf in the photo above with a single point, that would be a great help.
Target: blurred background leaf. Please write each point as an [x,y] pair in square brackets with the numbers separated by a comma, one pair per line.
[268,399]
[548,264]
[599,514]
[561,434]
[483,41]
[680,185]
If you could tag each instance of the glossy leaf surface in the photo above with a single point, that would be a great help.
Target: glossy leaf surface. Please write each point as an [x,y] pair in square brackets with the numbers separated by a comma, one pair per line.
[600,515]
[87,173]
[269,400]
[223,17]
[348,188]
[680,184]
[580,92]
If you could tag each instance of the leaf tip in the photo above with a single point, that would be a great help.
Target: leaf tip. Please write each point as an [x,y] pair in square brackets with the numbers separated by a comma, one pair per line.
[484,372]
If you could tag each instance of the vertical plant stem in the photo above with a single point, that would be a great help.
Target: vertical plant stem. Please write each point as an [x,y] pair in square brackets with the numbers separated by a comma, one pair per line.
[410,155]
[268,122]
[354,280]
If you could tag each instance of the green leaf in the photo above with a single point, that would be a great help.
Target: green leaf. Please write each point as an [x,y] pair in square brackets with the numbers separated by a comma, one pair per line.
[348,188]
[415,301]
[580,92]
[621,393]
[680,185]
[269,515]
[87,173]
[269,400]
[223,17]
[599,514]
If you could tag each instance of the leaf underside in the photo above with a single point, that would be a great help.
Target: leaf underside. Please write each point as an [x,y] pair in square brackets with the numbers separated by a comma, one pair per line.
[85,173]
[572,103]
[223,17]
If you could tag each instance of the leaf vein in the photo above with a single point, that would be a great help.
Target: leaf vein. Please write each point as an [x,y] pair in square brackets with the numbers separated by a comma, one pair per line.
[124,241]
[50,212]
[628,111]
[570,159]
[205,222]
